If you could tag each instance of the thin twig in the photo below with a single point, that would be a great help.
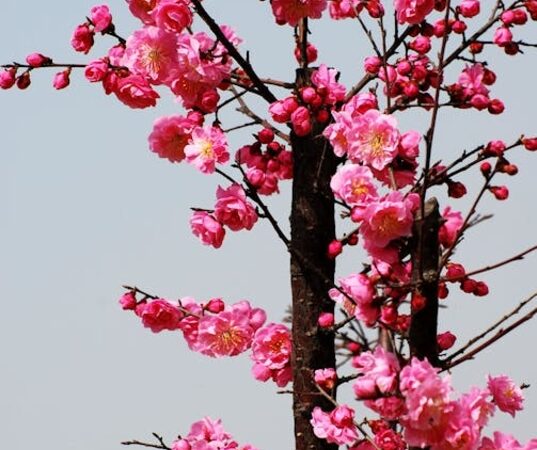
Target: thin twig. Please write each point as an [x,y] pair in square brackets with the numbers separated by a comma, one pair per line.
[234,53]
[491,328]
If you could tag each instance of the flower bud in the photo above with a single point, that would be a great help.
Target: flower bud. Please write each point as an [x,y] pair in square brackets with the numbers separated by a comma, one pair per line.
[37,60]
[128,301]
[265,136]
[500,192]
[334,249]
[325,320]
[456,189]
[215,305]
[445,341]
[530,143]
[8,78]
[61,79]
[23,81]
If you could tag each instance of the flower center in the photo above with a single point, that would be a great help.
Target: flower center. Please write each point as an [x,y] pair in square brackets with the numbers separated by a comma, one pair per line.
[206,149]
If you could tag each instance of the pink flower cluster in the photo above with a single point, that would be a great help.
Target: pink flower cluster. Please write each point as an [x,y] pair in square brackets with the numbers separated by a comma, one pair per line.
[471,89]
[370,138]
[265,168]
[434,420]
[313,103]
[231,209]
[271,353]
[162,52]
[208,434]
[214,329]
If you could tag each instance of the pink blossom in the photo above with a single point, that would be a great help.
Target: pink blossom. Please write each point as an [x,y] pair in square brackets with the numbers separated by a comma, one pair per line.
[377,373]
[374,138]
[82,39]
[413,11]
[325,378]
[451,227]
[169,137]
[230,332]
[359,297]
[507,395]
[142,10]
[337,427]
[135,92]
[172,15]
[271,353]
[471,79]
[353,184]
[96,70]
[159,315]
[207,147]
[387,219]
[291,11]
[100,17]
[152,53]
[338,132]
[324,79]
[61,79]
[232,209]
[207,228]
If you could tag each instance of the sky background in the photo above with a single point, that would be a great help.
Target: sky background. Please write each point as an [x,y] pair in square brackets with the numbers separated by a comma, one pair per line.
[86,207]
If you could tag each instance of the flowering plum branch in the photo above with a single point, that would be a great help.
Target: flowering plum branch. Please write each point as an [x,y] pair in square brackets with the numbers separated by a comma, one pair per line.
[345,149]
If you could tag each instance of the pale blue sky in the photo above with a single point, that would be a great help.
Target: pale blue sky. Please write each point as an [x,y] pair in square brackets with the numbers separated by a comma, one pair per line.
[86,208]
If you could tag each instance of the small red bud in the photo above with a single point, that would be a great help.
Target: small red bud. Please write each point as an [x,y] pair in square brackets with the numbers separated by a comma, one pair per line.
[215,305]
[500,192]
[485,168]
[23,81]
[334,249]
[481,289]
[445,340]
[265,136]
[456,189]
[325,320]
[530,143]
[418,302]
[468,285]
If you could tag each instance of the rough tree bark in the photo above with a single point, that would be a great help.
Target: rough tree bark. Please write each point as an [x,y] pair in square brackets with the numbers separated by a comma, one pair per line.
[425,258]
[312,229]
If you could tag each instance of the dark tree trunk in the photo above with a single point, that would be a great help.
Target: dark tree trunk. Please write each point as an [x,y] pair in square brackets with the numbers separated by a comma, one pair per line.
[312,229]
[425,258]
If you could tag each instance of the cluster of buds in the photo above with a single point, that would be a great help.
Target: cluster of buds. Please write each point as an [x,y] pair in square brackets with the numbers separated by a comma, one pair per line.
[267,162]
[312,103]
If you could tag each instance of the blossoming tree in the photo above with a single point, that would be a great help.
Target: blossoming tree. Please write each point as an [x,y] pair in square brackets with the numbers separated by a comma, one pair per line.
[344,152]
